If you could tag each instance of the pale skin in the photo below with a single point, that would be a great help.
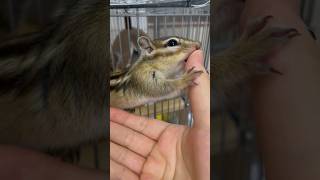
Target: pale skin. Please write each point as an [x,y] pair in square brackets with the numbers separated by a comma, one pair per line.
[142,148]
[286,107]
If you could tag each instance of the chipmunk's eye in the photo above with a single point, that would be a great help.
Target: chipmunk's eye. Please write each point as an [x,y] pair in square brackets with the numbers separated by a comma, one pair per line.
[172,42]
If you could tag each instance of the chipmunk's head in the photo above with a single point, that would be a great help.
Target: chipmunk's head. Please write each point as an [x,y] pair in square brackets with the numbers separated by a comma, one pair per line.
[169,50]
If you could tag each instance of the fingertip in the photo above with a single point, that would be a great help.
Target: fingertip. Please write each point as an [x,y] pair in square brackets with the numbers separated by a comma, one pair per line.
[196,59]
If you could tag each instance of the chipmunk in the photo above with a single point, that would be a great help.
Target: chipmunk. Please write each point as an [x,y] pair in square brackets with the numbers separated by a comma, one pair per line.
[54,85]
[158,74]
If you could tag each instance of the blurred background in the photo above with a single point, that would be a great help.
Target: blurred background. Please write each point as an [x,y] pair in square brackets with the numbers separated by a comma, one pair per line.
[19,17]
[25,16]
[236,156]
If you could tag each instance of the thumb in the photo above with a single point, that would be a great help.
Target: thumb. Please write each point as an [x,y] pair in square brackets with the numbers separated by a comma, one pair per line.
[199,95]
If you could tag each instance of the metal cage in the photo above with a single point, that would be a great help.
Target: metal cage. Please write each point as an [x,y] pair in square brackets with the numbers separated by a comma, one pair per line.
[157,19]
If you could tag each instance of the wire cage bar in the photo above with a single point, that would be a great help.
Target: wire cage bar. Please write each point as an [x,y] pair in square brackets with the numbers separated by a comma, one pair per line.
[129,23]
[124,4]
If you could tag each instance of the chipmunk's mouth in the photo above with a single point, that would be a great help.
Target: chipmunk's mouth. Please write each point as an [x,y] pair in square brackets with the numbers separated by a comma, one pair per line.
[194,48]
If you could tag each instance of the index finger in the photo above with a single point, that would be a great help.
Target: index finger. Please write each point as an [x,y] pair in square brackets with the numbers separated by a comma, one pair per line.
[199,95]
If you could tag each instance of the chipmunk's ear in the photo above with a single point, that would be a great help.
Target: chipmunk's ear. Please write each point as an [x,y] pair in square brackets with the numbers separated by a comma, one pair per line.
[145,43]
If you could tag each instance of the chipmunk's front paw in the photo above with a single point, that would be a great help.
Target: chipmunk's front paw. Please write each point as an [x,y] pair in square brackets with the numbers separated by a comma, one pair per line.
[191,75]
[259,38]
[259,33]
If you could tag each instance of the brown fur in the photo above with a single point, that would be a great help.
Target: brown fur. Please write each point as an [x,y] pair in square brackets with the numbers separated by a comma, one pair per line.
[153,76]
[243,59]
[53,91]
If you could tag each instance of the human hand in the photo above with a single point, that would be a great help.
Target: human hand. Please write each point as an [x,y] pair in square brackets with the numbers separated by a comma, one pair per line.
[141,148]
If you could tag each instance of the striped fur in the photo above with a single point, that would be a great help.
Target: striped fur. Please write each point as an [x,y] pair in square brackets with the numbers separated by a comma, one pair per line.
[53,91]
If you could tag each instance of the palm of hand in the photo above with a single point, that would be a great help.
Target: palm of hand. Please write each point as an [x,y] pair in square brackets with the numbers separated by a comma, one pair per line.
[157,150]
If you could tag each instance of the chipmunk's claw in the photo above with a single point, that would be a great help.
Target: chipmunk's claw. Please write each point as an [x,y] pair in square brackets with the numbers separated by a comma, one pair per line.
[192,75]
[191,69]
[290,33]
[293,34]
[275,71]
[256,25]
[194,83]
[267,18]
[265,21]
